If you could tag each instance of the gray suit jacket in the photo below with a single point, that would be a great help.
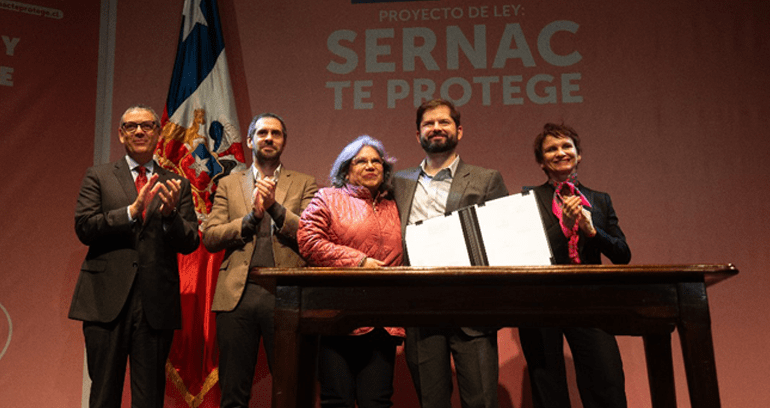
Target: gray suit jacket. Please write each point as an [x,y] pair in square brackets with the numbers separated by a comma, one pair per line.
[470,185]
[222,229]
[122,254]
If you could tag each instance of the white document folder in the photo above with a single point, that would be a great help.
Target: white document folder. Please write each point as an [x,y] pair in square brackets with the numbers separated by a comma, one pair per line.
[507,231]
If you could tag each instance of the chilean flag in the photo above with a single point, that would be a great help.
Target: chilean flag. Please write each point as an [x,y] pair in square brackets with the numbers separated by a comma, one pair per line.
[200,141]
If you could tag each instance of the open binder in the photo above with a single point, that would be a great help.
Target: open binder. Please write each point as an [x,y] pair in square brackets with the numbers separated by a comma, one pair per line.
[507,231]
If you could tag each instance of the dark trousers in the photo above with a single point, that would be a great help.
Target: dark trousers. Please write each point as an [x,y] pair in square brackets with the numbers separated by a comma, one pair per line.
[598,367]
[357,369]
[428,352]
[238,334]
[129,337]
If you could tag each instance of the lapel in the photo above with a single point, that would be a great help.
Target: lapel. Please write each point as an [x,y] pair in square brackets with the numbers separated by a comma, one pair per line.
[410,178]
[544,195]
[163,176]
[281,189]
[405,193]
[596,213]
[247,188]
[125,180]
[459,183]
[283,185]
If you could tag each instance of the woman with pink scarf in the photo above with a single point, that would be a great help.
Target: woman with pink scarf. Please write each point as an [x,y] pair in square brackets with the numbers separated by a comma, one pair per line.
[581,226]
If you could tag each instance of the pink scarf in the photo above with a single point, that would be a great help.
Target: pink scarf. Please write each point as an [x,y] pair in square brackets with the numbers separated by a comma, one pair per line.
[570,183]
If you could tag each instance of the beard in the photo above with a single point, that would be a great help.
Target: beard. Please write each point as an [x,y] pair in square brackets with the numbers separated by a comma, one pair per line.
[266,157]
[438,147]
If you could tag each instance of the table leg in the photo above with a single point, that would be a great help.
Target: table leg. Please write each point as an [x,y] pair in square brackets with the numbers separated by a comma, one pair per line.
[295,354]
[697,345]
[660,370]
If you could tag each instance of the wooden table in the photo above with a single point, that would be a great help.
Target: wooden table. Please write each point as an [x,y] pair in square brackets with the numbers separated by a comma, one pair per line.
[639,300]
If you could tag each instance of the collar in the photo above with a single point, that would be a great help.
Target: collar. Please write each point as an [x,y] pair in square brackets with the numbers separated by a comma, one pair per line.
[133,164]
[452,168]
[571,179]
[363,192]
[257,176]
[571,184]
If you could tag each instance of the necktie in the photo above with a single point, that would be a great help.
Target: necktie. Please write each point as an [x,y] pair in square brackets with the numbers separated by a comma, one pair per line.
[141,180]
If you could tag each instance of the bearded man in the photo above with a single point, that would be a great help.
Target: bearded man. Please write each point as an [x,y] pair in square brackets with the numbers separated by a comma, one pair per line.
[444,183]
[254,218]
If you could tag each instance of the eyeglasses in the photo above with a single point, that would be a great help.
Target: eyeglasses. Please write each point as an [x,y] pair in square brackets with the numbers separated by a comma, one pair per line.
[363,162]
[131,127]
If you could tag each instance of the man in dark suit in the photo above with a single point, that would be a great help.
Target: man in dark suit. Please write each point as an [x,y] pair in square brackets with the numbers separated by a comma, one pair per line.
[127,294]
[254,219]
[444,183]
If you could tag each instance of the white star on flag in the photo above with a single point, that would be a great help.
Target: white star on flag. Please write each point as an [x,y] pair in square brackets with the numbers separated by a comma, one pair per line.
[200,165]
[190,21]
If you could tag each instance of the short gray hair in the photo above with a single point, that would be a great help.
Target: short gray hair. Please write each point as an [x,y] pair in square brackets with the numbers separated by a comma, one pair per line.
[341,167]
[140,106]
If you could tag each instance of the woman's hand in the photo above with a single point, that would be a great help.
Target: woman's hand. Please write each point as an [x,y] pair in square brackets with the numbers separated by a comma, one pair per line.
[573,211]
[372,263]
[571,207]
[586,224]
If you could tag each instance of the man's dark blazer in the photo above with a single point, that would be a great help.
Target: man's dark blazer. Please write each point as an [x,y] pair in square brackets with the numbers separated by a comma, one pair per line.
[122,254]
[609,239]
[470,185]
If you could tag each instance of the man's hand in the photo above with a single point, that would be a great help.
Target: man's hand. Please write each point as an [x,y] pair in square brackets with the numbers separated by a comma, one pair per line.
[266,188]
[257,206]
[137,207]
[169,195]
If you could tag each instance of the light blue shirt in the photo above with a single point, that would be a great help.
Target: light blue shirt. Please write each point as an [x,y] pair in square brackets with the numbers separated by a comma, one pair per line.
[431,195]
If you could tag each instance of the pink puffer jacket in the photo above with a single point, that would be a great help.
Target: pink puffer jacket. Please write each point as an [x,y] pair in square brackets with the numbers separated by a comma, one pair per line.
[341,226]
